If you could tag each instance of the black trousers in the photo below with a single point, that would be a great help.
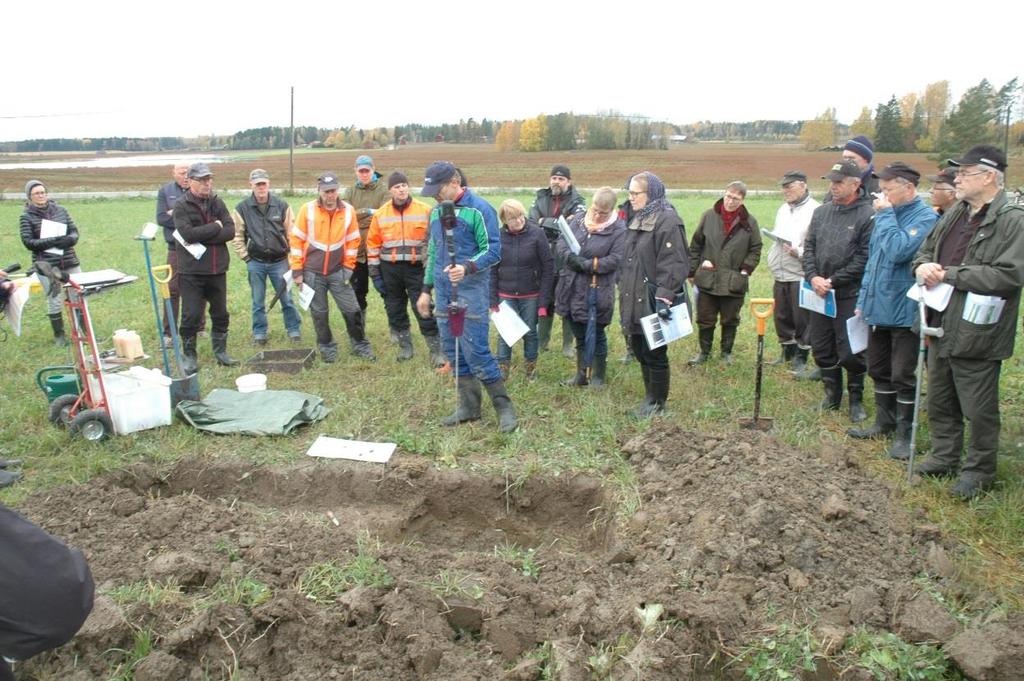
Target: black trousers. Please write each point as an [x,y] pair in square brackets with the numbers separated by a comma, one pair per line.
[712,308]
[360,283]
[196,291]
[172,285]
[829,342]
[46,590]
[892,360]
[652,359]
[791,320]
[403,282]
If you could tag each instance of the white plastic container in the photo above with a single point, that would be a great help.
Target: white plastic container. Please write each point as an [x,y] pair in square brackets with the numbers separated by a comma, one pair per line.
[139,399]
[127,344]
[250,383]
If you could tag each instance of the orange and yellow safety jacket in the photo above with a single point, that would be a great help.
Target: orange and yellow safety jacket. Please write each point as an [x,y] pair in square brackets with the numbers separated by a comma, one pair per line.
[397,235]
[324,241]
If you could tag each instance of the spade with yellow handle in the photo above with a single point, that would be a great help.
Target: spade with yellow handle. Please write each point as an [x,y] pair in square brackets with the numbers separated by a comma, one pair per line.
[762,309]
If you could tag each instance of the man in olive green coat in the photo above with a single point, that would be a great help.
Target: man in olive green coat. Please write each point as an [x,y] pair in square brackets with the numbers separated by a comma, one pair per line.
[978,249]
[369,193]
[724,250]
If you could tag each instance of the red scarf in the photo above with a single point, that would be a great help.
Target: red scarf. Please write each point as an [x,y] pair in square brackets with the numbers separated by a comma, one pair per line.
[729,220]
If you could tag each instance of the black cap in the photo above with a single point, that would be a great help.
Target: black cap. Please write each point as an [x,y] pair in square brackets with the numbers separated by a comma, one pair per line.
[845,168]
[397,177]
[438,173]
[982,155]
[898,169]
[793,176]
[561,171]
[197,171]
[945,176]
[327,181]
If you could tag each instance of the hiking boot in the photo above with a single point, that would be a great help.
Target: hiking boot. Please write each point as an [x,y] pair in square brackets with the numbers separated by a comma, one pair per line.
[404,346]
[295,338]
[364,350]
[259,340]
[885,419]
[726,358]
[329,353]
[966,489]
[933,468]
[10,463]
[394,336]
[580,379]
[8,478]
[468,408]
[504,367]
[438,359]
[530,369]
[219,341]
[507,421]
[900,448]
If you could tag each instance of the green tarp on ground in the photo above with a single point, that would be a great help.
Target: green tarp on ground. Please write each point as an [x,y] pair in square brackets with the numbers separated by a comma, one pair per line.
[266,412]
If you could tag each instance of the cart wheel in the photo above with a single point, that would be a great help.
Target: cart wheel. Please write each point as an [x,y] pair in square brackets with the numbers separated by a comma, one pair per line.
[60,410]
[93,425]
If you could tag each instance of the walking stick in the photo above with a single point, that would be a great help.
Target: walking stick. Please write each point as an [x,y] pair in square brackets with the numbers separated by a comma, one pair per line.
[923,332]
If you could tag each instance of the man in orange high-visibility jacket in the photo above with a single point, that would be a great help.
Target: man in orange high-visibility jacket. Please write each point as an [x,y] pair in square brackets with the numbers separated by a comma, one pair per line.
[396,248]
[324,242]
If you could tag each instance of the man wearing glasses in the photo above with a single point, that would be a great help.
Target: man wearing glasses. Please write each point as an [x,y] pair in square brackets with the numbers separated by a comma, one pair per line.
[943,191]
[978,249]
[200,217]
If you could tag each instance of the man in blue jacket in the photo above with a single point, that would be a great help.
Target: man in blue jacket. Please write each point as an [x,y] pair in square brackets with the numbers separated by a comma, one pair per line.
[459,256]
[902,222]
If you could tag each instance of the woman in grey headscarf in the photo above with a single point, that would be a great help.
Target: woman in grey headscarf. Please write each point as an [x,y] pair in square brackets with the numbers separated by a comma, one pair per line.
[654,270]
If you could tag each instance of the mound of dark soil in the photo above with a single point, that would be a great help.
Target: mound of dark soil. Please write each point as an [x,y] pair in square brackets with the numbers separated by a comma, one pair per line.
[732,533]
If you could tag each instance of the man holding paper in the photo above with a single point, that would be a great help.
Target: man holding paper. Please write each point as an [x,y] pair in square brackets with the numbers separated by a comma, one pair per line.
[902,222]
[203,227]
[49,233]
[978,249]
[835,254]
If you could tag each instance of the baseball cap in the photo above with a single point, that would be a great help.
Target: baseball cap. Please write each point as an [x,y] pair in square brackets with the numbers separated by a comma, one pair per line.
[946,176]
[982,155]
[326,181]
[364,161]
[844,168]
[258,175]
[898,169]
[793,176]
[198,171]
[438,173]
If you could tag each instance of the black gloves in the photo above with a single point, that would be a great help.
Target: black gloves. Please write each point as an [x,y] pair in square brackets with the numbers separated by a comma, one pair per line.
[663,310]
[578,263]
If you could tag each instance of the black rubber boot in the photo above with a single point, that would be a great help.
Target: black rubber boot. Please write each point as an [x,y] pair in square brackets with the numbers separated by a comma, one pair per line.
[598,371]
[189,358]
[544,332]
[855,385]
[504,368]
[8,478]
[885,418]
[580,379]
[469,402]
[361,347]
[404,345]
[568,340]
[658,385]
[219,341]
[507,421]
[57,322]
[900,447]
[437,356]
[832,380]
[707,339]
[628,357]
[728,340]
[786,353]
[799,359]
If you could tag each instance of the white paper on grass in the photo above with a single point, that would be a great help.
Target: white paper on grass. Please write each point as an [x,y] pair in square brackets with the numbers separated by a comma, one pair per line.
[979,309]
[570,238]
[49,229]
[149,230]
[356,450]
[196,250]
[659,332]
[857,333]
[937,297]
[306,294]
[510,325]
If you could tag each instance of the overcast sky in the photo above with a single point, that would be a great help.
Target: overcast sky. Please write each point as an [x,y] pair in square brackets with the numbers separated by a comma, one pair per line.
[78,69]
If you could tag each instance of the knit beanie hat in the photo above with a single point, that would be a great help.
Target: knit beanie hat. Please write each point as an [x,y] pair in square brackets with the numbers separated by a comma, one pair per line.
[861,146]
[32,184]
[397,177]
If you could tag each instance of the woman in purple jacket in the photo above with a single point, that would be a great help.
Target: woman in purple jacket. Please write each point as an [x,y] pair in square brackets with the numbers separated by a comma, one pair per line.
[526,269]
[601,234]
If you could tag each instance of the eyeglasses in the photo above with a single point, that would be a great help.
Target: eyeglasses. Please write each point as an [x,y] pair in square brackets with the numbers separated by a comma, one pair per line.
[39,192]
[961,173]
[942,189]
[633,194]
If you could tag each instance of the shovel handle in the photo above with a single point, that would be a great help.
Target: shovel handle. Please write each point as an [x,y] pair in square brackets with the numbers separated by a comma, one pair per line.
[158,276]
[762,309]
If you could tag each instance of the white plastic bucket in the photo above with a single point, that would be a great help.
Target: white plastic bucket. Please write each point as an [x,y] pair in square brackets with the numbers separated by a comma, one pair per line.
[250,383]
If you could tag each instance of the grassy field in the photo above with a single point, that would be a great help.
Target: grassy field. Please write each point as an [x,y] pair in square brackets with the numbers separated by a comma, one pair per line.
[562,429]
[690,166]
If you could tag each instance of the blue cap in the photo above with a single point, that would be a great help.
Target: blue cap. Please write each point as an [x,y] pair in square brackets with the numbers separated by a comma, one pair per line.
[364,161]
[438,174]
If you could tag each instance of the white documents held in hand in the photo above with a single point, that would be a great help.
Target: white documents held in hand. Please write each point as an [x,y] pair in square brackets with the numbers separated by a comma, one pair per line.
[510,325]
[857,333]
[196,250]
[306,293]
[49,229]
[569,237]
[937,297]
[660,332]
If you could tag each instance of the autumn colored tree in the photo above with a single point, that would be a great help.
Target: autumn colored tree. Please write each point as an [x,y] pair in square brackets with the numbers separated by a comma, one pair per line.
[820,132]
[533,134]
[864,125]
[507,138]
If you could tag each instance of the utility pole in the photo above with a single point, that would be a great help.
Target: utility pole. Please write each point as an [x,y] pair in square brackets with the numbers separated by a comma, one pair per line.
[291,148]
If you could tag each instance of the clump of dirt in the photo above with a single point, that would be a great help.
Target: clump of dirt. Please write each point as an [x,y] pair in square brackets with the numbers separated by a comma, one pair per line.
[487,578]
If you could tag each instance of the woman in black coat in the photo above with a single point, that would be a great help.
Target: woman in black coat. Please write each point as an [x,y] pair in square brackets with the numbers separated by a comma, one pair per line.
[654,270]
[601,235]
[58,251]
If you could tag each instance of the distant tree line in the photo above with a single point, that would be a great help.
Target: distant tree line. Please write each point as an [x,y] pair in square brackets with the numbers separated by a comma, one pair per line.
[275,137]
[96,144]
[926,121]
[566,131]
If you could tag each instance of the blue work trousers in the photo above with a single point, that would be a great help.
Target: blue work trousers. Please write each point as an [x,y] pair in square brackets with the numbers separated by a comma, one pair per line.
[259,272]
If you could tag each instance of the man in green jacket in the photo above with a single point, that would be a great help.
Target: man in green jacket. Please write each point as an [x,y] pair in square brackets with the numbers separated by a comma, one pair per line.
[369,193]
[978,249]
[724,250]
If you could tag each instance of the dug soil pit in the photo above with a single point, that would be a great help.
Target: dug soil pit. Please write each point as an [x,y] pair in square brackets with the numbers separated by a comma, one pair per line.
[329,570]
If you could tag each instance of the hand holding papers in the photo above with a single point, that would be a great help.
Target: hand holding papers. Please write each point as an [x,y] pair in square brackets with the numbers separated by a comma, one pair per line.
[196,250]
[937,297]
[777,236]
[809,300]
[660,331]
[49,229]
[509,324]
[857,333]
[570,238]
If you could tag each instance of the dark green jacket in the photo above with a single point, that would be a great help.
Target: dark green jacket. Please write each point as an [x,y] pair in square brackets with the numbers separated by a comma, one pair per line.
[992,266]
[732,256]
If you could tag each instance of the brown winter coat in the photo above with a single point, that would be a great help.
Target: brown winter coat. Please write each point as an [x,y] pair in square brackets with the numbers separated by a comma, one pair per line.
[656,252]
[731,255]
